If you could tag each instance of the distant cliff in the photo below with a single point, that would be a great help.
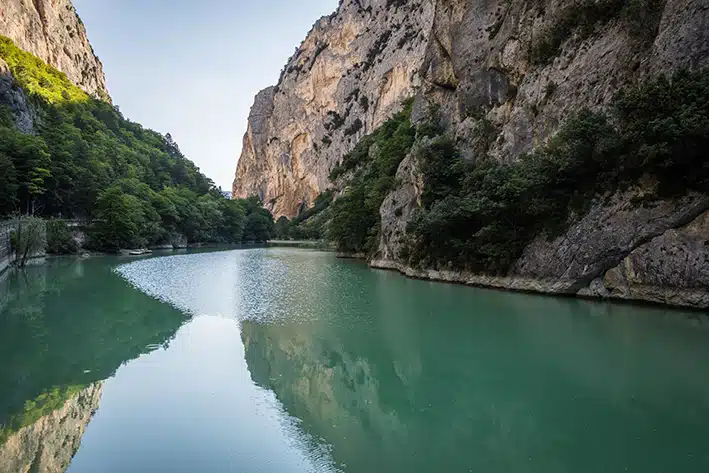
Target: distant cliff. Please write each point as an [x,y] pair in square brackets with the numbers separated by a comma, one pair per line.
[53,31]
[349,75]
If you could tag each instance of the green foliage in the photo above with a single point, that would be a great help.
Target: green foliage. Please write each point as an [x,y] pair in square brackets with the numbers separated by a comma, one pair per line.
[310,224]
[8,185]
[119,218]
[374,161]
[664,125]
[60,239]
[38,78]
[26,163]
[87,161]
[283,229]
[259,225]
[480,217]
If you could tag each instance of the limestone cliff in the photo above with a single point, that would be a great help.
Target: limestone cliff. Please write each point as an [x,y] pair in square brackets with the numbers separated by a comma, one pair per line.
[504,75]
[53,31]
[480,68]
[348,76]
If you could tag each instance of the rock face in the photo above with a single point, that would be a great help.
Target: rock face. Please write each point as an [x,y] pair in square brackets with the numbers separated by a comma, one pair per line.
[49,444]
[52,31]
[350,74]
[475,61]
[14,97]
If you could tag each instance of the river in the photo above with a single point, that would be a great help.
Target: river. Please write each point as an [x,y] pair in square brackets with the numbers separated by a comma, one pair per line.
[288,360]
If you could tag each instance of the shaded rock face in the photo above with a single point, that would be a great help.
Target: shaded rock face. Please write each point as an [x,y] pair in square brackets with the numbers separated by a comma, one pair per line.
[348,76]
[479,67]
[14,97]
[672,268]
[52,31]
[49,444]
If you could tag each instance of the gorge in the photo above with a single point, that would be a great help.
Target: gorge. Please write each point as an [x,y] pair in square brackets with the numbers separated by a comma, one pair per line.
[503,80]
[544,146]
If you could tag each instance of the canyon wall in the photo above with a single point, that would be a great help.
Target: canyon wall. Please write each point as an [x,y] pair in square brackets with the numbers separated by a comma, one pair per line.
[480,69]
[504,76]
[53,31]
[351,73]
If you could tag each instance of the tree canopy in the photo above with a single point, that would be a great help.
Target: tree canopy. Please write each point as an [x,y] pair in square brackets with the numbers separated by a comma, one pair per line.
[85,160]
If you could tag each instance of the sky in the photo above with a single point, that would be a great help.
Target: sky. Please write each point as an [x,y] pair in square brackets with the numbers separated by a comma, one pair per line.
[192,68]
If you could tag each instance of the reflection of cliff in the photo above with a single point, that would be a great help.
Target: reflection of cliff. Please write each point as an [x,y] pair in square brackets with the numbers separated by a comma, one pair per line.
[48,444]
[72,323]
[349,384]
[402,375]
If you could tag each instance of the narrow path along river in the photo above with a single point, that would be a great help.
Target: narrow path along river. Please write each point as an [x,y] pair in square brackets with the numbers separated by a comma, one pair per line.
[287,360]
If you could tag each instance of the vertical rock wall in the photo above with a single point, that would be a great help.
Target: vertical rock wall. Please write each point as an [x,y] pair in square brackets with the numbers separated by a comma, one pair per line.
[52,31]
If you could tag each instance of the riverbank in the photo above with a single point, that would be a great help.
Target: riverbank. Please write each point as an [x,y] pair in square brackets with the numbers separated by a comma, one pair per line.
[6,262]
[313,244]
[691,298]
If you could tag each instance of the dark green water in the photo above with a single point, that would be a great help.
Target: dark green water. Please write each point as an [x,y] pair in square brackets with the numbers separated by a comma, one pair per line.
[292,361]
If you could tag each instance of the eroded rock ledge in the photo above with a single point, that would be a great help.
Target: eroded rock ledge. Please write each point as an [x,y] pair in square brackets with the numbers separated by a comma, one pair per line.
[657,254]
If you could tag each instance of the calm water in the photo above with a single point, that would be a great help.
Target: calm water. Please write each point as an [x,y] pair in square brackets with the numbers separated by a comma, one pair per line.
[292,361]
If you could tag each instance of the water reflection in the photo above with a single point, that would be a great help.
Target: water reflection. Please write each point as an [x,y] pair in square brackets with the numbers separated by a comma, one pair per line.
[418,376]
[48,443]
[64,327]
[294,361]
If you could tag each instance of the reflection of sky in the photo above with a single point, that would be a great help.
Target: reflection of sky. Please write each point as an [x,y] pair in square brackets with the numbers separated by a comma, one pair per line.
[193,407]
[193,68]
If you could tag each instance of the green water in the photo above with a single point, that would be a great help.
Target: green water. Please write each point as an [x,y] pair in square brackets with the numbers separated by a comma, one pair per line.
[287,360]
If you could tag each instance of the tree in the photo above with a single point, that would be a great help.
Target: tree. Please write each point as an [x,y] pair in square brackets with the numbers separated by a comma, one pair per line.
[59,238]
[233,222]
[282,229]
[8,185]
[28,239]
[118,221]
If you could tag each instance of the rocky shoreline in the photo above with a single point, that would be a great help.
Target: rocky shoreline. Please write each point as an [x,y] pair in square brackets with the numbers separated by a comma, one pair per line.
[668,296]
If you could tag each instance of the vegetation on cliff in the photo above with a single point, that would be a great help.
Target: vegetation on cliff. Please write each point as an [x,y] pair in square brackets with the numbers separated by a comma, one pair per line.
[366,175]
[310,224]
[640,18]
[371,167]
[85,160]
[480,216]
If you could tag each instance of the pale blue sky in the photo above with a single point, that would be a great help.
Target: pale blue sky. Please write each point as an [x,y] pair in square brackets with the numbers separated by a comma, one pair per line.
[192,68]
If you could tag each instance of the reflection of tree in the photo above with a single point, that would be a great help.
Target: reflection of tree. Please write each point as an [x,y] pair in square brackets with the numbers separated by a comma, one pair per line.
[51,432]
[66,325]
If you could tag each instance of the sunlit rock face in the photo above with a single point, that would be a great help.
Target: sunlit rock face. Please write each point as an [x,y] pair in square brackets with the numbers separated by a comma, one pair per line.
[48,444]
[354,68]
[52,31]
[351,73]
